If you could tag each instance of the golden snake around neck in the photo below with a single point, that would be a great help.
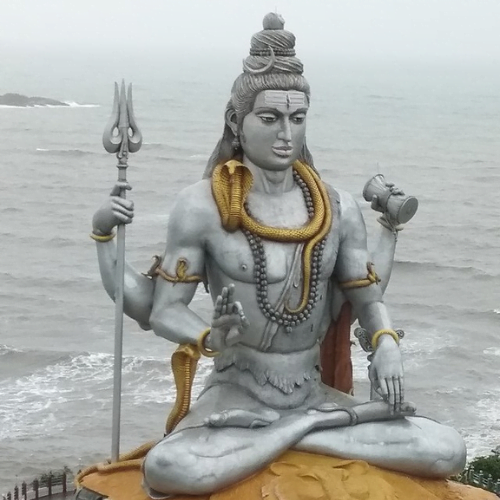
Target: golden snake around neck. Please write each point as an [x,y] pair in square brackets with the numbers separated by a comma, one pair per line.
[231,183]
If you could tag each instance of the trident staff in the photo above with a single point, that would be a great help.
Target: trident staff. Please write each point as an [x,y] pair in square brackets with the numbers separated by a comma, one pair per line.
[121,136]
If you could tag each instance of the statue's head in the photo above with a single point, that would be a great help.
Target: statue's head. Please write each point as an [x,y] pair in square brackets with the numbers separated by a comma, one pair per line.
[272,79]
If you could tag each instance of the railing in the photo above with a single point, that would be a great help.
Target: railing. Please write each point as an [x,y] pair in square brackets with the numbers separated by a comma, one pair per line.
[479,479]
[52,485]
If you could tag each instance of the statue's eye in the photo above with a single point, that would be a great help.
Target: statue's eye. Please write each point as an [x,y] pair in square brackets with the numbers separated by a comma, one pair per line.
[299,118]
[268,118]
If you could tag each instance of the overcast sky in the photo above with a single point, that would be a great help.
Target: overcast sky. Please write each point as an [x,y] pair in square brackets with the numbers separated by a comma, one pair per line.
[414,28]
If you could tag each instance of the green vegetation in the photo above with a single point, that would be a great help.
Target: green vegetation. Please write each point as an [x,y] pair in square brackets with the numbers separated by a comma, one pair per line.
[488,465]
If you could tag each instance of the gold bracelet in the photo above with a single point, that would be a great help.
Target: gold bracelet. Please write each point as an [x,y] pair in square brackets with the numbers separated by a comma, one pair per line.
[103,238]
[376,336]
[201,345]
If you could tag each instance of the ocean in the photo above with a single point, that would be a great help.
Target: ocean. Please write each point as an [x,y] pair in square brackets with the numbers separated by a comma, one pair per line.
[432,128]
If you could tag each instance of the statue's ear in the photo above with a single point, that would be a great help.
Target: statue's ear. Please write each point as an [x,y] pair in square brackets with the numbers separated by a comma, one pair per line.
[231,120]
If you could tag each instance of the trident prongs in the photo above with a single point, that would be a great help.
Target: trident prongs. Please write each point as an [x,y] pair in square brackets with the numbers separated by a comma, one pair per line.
[121,134]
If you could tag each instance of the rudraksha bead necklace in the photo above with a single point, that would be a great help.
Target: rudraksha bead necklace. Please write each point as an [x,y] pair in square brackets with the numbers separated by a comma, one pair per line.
[285,318]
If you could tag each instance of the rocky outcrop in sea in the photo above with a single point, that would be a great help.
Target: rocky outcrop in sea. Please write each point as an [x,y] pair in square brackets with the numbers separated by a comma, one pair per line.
[24,101]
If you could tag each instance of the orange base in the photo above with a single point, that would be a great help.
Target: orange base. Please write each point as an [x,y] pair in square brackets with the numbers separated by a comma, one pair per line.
[304,476]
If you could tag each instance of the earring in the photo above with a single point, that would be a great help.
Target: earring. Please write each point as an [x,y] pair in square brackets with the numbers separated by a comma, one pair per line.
[236,143]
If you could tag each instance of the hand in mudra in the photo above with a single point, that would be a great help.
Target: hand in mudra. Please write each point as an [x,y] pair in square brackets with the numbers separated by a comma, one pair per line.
[114,211]
[228,322]
[386,373]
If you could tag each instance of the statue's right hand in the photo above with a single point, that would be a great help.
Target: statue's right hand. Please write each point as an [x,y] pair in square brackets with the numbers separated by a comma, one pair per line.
[115,210]
[228,322]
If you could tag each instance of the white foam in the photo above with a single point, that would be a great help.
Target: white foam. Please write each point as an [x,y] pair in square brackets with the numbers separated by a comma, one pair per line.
[29,404]
[73,104]
[493,351]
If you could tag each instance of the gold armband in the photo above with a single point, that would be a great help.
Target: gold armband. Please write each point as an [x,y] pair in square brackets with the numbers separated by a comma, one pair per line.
[201,345]
[376,336]
[371,278]
[180,272]
[102,238]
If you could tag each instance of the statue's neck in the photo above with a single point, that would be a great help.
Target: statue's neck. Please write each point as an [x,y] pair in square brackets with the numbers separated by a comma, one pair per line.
[270,181]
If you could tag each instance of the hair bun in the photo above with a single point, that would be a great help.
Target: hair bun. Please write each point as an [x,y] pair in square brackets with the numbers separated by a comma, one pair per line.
[273,21]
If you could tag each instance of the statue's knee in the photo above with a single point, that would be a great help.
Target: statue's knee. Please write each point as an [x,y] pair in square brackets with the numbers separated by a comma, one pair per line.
[159,468]
[172,468]
[449,453]
[454,453]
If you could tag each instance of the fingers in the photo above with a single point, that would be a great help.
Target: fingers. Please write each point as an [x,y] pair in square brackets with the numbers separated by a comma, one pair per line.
[121,206]
[401,390]
[217,308]
[230,295]
[224,295]
[117,188]
[238,309]
[391,390]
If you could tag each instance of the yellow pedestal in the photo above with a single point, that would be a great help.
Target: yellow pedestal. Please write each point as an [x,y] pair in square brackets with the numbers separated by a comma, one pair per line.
[303,476]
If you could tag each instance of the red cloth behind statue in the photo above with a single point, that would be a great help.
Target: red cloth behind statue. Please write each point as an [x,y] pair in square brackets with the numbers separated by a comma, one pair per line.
[336,361]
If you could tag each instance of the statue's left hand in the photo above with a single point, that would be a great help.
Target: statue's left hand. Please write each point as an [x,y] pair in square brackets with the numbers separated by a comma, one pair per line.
[386,372]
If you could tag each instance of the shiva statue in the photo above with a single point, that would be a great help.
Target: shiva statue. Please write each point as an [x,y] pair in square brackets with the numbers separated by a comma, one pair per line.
[285,259]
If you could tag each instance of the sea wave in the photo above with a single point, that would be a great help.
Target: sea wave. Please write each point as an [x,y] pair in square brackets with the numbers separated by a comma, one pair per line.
[7,349]
[388,97]
[75,377]
[69,105]
[424,310]
[420,266]
[73,104]
[66,152]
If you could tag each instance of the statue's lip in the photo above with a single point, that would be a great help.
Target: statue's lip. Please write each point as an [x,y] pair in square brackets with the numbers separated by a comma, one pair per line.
[283,150]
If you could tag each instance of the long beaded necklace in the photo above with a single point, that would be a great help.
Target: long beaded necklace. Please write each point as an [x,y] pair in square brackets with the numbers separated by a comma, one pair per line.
[285,318]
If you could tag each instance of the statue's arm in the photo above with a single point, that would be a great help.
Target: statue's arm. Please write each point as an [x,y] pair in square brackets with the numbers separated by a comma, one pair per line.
[386,369]
[351,266]
[138,289]
[171,317]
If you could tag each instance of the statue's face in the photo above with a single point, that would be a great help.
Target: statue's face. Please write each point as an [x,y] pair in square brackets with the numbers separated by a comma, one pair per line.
[273,133]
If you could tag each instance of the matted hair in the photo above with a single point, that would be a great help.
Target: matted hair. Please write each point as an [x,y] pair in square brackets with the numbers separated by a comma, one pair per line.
[271,65]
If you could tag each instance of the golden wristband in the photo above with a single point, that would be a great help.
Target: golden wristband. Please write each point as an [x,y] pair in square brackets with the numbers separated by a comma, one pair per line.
[201,345]
[103,238]
[376,336]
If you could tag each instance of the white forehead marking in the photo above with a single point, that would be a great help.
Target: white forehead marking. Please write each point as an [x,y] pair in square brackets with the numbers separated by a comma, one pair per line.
[284,97]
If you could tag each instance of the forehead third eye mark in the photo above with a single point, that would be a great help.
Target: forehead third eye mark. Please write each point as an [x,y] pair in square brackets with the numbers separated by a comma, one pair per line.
[284,98]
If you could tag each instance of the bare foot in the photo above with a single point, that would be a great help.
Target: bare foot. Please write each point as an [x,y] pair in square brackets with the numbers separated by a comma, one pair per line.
[242,418]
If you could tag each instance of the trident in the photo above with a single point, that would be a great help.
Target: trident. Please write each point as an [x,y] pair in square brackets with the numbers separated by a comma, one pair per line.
[121,136]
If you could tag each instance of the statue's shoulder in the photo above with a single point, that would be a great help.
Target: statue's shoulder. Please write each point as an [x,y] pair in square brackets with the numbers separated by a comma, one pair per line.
[341,201]
[194,208]
[345,207]
[197,194]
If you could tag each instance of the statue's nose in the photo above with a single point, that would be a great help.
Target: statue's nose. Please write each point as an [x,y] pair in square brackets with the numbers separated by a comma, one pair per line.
[285,134]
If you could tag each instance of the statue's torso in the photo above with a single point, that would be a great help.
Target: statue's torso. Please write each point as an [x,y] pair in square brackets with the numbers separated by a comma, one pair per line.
[229,260]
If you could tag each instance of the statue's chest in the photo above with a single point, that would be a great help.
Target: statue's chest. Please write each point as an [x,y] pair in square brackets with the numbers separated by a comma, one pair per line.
[236,257]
